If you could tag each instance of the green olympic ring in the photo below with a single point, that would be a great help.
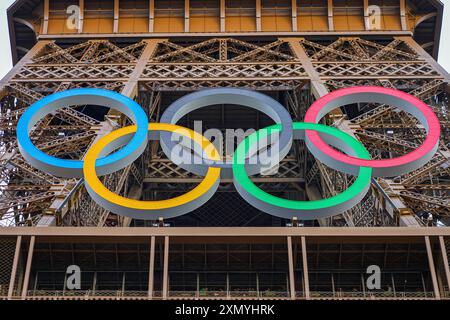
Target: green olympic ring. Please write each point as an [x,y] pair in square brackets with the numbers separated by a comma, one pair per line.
[303,210]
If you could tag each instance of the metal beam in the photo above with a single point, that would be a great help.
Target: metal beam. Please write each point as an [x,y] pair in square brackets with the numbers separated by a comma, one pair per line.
[291,268]
[305,268]
[403,19]
[330,15]
[26,279]
[27,24]
[151,268]
[425,17]
[15,265]
[222,16]
[151,15]
[130,88]
[258,15]
[81,17]
[294,15]
[227,34]
[166,268]
[445,260]
[387,232]
[186,15]
[366,15]
[437,294]
[424,55]
[46,16]
[116,16]
[24,61]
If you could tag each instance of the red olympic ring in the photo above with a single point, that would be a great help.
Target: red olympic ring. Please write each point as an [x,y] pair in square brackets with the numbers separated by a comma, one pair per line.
[382,167]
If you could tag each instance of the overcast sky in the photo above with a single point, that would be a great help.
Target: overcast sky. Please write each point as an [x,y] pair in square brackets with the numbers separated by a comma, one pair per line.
[5,55]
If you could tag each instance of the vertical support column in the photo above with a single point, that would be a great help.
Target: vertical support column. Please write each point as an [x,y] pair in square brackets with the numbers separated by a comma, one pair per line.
[258,15]
[228,285]
[186,15]
[437,294]
[124,279]
[257,284]
[197,293]
[291,268]
[116,16]
[305,267]
[333,287]
[151,268]
[366,15]
[393,285]
[294,15]
[151,15]
[445,260]
[363,285]
[15,265]
[330,16]
[81,17]
[166,268]
[26,279]
[222,16]
[94,283]
[46,16]
[403,15]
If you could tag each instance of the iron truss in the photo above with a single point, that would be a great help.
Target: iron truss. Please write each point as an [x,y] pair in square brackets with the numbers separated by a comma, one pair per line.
[295,70]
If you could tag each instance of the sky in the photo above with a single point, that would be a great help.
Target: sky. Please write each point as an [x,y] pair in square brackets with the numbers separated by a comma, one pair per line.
[5,53]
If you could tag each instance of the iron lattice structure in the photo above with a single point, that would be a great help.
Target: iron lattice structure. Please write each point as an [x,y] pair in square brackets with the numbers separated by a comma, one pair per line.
[155,52]
[282,68]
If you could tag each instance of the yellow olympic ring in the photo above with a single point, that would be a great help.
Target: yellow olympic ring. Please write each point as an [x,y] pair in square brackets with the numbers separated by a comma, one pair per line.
[137,208]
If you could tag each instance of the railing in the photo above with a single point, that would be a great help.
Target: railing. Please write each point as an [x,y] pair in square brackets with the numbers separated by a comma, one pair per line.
[274,294]
[3,291]
[228,295]
[244,294]
[183,294]
[113,294]
[445,294]
[251,294]
[371,295]
[69,294]
[197,294]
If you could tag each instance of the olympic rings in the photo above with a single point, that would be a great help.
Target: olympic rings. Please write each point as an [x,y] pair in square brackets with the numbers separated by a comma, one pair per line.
[381,168]
[251,99]
[74,168]
[304,210]
[149,209]
[131,142]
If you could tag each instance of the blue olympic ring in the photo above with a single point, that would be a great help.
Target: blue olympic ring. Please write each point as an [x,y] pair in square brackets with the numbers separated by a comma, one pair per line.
[89,96]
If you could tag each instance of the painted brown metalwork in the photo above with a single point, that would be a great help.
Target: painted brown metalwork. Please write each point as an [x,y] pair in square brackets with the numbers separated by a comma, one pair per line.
[156,51]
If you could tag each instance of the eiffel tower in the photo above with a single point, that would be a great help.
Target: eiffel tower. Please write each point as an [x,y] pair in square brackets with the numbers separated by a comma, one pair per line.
[157,51]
